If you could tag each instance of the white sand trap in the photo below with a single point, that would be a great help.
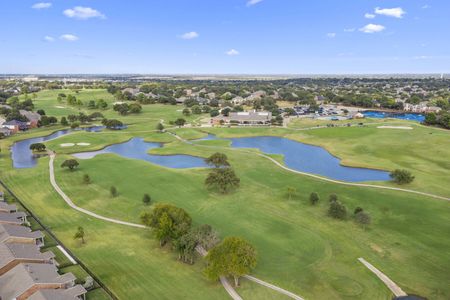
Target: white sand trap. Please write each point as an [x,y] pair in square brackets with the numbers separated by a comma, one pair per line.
[395,127]
[67,145]
[57,106]
[83,144]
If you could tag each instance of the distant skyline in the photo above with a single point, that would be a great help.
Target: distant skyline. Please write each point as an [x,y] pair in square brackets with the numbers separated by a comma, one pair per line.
[225,37]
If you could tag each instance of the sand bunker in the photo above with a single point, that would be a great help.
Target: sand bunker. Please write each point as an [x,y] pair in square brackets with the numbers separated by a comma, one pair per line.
[59,106]
[67,145]
[395,127]
[83,144]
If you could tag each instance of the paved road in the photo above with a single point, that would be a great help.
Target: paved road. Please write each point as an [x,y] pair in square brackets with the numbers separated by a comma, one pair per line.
[273,287]
[396,290]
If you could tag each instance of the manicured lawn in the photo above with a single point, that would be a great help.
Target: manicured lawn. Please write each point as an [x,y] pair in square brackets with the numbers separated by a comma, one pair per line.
[300,248]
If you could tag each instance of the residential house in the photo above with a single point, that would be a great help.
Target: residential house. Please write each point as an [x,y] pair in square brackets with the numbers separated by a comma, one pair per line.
[238,100]
[15,218]
[20,234]
[32,117]
[25,279]
[74,293]
[5,131]
[9,208]
[14,126]
[12,254]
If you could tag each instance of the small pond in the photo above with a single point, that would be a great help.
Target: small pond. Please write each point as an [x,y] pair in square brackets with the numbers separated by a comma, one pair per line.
[23,157]
[402,116]
[137,148]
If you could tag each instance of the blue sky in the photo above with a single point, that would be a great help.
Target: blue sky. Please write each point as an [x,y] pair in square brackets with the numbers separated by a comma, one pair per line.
[225,36]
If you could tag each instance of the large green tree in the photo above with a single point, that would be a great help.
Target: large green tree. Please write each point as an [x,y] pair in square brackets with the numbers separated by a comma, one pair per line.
[224,179]
[217,160]
[168,221]
[70,163]
[233,257]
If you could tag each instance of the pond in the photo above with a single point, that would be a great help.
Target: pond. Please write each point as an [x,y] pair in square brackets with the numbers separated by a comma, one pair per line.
[402,116]
[137,148]
[297,156]
[23,157]
[309,159]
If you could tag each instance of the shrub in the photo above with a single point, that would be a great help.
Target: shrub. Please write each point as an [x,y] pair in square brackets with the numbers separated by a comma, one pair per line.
[363,218]
[337,210]
[401,176]
[314,198]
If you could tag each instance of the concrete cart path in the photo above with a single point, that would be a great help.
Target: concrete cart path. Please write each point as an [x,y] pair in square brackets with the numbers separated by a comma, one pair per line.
[396,290]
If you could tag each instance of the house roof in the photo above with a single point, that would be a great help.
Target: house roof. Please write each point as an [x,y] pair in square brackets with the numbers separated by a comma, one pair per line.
[24,276]
[8,231]
[5,207]
[14,251]
[31,116]
[14,123]
[251,116]
[60,294]
[12,218]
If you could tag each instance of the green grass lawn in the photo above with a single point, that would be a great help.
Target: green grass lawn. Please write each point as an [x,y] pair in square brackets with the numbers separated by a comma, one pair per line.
[299,247]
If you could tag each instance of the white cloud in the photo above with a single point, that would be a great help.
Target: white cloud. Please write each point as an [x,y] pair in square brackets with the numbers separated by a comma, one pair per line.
[369,16]
[331,35]
[83,13]
[349,30]
[423,57]
[41,5]
[190,35]
[232,52]
[48,38]
[69,37]
[372,28]
[425,6]
[253,2]
[396,12]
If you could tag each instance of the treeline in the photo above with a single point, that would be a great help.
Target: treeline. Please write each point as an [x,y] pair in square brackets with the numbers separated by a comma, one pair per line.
[441,119]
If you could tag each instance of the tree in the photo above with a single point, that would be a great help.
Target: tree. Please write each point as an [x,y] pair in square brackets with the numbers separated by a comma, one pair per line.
[160,127]
[206,236]
[222,178]
[337,210]
[214,113]
[314,198]
[64,121]
[291,191]
[168,221]
[180,122]
[363,218]
[146,199]
[113,191]
[37,147]
[70,163]
[112,124]
[86,179]
[401,176]
[41,112]
[333,198]
[218,160]
[79,234]
[186,112]
[233,257]
[75,125]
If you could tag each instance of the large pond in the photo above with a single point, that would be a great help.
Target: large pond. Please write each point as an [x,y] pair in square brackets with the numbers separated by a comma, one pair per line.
[137,148]
[402,116]
[297,156]
[309,159]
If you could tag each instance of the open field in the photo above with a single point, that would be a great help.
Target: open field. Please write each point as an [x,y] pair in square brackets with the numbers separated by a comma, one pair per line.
[300,248]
